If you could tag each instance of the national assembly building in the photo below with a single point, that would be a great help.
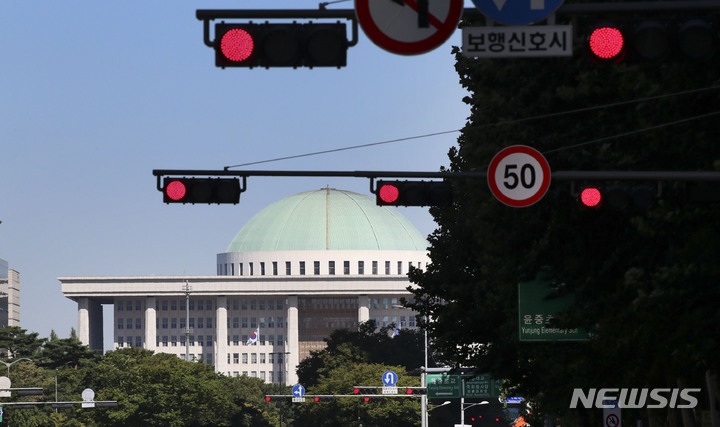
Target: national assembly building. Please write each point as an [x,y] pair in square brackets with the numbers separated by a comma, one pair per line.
[302,267]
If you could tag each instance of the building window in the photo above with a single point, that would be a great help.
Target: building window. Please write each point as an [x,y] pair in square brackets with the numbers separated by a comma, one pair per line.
[261,304]
[173,323]
[236,322]
[129,306]
[120,306]
[236,340]
[120,324]
[275,270]
[244,304]
[252,304]
[346,267]
[208,322]
[173,304]
[262,322]
[182,323]
[262,268]
[271,322]
[120,341]
[387,267]
[400,267]
[244,322]
[245,358]
[200,305]
[164,305]
[361,267]
[138,341]
[251,268]
[236,358]
[316,267]
[164,323]
[287,268]
[241,269]
[253,322]
[302,268]
[331,267]
[271,304]
[374,267]
[191,304]
[279,304]
[200,322]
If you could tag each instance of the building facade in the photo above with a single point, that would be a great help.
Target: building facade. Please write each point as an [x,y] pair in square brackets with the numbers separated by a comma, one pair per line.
[299,269]
[9,296]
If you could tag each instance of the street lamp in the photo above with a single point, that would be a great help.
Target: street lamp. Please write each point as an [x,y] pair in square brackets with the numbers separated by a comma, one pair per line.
[464,406]
[12,363]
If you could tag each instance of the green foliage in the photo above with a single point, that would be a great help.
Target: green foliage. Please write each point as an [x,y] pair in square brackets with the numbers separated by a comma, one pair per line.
[366,345]
[646,282]
[397,411]
[15,342]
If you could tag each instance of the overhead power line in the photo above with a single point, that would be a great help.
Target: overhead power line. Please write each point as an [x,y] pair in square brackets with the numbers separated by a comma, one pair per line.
[516,121]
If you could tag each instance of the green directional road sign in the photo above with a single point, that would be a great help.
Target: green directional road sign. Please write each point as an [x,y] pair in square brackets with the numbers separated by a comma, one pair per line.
[536,308]
[443,385]
[480,386]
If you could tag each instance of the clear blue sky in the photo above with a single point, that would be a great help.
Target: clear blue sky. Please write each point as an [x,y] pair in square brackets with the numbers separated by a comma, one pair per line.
[95,95]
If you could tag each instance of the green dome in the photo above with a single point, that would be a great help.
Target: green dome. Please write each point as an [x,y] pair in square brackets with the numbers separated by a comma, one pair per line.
[327,219]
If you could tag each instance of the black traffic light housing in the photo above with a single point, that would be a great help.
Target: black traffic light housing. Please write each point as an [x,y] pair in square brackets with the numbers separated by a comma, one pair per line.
[413,193]
[651,40]
[201,190]
[617,197]
[281,45]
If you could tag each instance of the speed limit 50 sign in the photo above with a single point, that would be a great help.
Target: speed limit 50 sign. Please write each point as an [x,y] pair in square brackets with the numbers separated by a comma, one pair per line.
[519,176]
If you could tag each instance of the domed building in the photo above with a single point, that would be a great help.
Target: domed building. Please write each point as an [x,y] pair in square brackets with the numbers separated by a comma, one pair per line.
[302,267]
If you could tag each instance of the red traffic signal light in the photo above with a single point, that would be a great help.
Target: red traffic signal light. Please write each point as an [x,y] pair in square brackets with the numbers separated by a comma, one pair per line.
[201,190]
[606,43]
[280,45]
[413,193]
[416,390]
[590,197]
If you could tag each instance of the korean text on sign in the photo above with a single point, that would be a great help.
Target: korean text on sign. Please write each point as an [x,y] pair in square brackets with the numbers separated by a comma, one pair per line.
[508,42]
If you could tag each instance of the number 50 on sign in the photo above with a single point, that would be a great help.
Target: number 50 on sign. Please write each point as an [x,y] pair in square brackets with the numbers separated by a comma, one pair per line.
[519,176]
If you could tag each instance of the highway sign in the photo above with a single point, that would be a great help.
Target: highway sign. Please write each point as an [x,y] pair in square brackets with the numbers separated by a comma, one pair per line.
[389,378]
[518,12]
[536,308]
[517,41]
[519,176]
[408,27]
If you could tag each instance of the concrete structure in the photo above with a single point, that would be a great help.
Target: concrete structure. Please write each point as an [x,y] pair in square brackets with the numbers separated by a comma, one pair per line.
[302,267]
[9,296]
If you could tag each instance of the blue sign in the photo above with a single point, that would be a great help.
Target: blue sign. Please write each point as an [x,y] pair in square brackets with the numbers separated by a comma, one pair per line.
[517,12]
[298,390]
[389,378]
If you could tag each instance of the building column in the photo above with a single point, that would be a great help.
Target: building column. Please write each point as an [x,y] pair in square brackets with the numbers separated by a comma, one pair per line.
[84,321]
[150,324]
[221,335]
[293,339]
[363,309]
[90,323]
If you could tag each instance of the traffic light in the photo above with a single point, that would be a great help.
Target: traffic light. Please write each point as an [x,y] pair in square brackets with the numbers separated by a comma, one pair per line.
[201,190]
[617,197]
[651,40]
[323,398]
[413,193]
[281,45]
[417,391]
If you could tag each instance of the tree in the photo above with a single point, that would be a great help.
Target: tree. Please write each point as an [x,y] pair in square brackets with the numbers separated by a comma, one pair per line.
[390,411]
[66,352]
[642,280]
[15,342]
[366,345]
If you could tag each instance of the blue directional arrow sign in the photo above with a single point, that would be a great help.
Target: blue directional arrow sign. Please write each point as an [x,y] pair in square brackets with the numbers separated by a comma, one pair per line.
[517,12]
[298,390]
[389,378]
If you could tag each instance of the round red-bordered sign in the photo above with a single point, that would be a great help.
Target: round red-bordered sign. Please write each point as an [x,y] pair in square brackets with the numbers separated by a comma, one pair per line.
[519,176]
[402,27]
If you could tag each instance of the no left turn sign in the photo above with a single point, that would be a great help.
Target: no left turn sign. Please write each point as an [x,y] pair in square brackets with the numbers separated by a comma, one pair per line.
[519,176]
[408,27]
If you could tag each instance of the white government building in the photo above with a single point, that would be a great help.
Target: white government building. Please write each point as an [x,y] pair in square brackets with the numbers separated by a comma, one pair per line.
[302,267]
